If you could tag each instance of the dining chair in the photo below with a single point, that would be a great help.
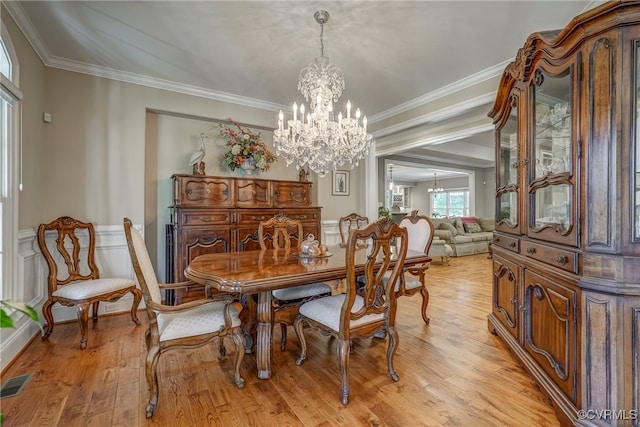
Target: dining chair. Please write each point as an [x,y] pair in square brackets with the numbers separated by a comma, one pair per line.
[348,223]
[280,230]
[189,325]
[74,277]
[360,313]
[420,236]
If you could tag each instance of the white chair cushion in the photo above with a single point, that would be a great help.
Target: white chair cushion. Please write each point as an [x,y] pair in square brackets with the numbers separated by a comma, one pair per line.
[83,289]
[410,282]
[302,291]
[203,319]
[326,310]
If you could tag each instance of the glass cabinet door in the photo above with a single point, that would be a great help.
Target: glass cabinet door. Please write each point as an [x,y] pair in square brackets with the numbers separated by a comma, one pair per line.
[508,173]
[551,177]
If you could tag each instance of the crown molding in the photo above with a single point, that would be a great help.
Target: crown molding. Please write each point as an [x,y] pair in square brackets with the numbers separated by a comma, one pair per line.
[28,29]
[139,79]
[459,85]
[26,26]
[440,138]
[439,115]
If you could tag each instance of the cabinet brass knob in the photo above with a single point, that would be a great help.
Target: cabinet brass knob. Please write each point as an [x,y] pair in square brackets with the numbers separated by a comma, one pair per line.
[531,251]
[512,244]
[561,259]
[496,239]
[207,191]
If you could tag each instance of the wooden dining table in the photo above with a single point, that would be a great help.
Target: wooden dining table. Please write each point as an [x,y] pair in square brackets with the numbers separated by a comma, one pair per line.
[261,271]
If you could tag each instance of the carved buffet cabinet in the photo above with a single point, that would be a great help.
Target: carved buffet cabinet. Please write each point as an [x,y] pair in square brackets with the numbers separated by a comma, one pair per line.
[221,214]
[566,264]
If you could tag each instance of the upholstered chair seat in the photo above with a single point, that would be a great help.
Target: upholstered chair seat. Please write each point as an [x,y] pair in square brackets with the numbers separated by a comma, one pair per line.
[82,289]
[302,291]
[200,320]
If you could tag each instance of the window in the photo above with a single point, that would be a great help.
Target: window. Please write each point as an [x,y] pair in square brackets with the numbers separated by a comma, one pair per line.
[450,203]
[10,97]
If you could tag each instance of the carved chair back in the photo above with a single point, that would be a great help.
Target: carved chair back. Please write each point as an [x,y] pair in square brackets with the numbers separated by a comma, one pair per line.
[280,230]
[353,221]
[75,247]
[378,295]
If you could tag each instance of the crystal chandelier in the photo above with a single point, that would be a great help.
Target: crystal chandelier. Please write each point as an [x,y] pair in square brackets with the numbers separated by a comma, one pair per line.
[435,188]
[317,139]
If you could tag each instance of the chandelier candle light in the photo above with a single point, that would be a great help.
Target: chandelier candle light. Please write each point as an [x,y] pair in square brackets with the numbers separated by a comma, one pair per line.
[435,188]
[318,139]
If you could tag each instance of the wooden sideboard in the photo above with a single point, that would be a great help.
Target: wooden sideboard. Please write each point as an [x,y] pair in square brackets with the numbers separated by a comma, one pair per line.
[221,214]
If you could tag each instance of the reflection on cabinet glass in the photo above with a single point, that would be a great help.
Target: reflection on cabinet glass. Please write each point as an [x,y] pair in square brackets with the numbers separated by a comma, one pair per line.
[508,167]
[509,208]
[509,151]
[552,207]
[551,180]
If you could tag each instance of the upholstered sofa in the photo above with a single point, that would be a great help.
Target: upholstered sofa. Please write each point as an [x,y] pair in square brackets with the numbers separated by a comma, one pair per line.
[465,235]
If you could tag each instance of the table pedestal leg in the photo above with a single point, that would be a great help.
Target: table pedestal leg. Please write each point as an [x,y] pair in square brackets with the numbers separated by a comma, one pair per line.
[263,345]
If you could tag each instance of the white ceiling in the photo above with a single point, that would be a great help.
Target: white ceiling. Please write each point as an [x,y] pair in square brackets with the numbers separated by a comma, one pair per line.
[393,53]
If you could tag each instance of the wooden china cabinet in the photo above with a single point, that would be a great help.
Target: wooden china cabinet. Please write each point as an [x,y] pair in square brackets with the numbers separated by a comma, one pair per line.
[566,251]
[221,214]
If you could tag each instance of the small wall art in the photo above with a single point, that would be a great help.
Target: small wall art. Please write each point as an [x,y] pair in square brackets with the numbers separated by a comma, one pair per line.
[340,183]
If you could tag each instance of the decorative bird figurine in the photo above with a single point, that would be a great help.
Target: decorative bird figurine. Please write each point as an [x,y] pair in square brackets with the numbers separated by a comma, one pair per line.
[198,156]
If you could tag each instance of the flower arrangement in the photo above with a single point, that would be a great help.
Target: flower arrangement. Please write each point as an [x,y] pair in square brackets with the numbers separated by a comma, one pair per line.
[245,144]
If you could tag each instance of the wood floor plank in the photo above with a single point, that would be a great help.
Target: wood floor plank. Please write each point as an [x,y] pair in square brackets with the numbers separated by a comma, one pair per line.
[452,372]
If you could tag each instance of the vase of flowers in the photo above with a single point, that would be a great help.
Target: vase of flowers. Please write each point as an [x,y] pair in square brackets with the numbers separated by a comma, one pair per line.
[246,149]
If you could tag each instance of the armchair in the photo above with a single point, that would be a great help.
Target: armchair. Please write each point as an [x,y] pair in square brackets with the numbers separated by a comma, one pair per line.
[189,325]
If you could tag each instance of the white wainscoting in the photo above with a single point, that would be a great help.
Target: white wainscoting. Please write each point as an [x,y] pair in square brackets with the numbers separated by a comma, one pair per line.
[112,258]
[330,232]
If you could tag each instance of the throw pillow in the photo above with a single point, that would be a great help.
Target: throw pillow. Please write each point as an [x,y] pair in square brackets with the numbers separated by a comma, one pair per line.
[472,227]
[487,224]
[457,222]
[449,227]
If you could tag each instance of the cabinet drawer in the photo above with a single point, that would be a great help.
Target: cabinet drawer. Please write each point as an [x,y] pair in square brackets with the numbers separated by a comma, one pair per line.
[291,194]
[254,217]
[560,258]
[302,215]
[196,217]
[252,193]
[507,242]
[203,191]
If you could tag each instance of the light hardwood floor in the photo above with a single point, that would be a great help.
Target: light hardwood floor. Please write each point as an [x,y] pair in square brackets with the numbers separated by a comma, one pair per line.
[452,373]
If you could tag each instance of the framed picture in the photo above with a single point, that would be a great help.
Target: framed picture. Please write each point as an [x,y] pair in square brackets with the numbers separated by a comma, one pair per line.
[340,183]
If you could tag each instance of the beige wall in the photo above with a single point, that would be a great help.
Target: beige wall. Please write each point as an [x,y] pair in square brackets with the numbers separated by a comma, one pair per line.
[32,85]
[112,147]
